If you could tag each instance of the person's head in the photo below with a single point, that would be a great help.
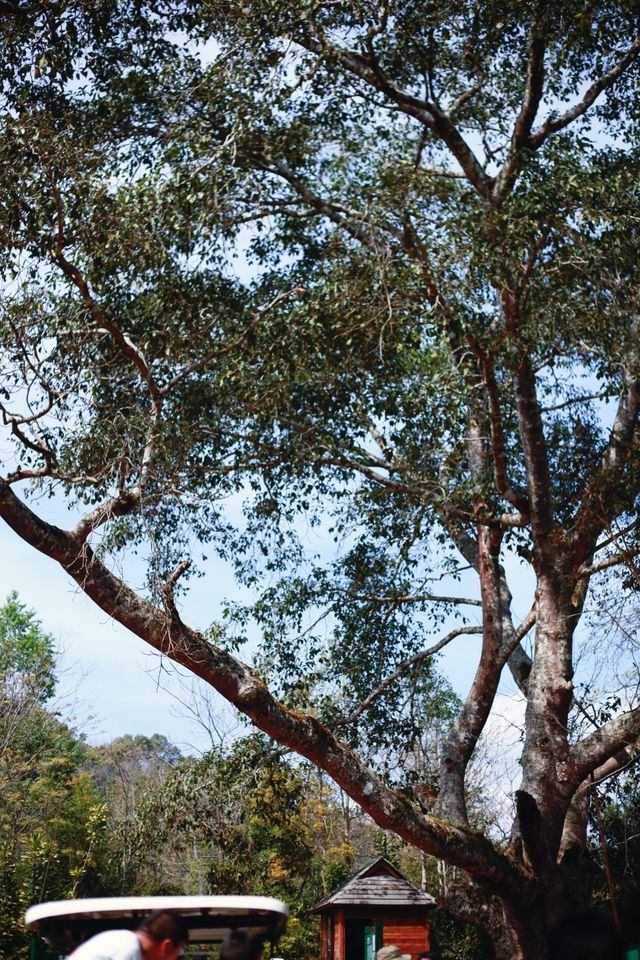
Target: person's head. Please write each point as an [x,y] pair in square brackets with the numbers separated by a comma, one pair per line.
[162,936]
[241,945]
[391,953]
[585,936]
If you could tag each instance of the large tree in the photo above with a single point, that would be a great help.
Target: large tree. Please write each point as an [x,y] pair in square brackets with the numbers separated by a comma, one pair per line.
[374,267]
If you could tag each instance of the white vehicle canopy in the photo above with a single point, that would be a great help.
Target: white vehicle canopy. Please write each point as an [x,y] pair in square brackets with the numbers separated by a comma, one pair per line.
[65,924]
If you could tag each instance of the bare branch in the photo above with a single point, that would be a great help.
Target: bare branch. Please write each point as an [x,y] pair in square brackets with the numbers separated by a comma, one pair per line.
[415,598]
[614,561]
[519,634]
[169,586]
[40,448]
[405,666]
[574,400]
[616,535]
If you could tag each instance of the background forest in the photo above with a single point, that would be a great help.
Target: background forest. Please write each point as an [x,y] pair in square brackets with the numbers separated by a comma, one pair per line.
[136,816]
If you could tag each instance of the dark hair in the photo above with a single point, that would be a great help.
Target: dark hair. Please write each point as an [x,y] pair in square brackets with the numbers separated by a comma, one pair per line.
[432,954]
[242,945]
[162,925]
[585,936]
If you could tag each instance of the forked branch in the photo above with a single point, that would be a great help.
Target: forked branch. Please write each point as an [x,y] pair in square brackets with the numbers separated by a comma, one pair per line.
[404,668]
[557,122]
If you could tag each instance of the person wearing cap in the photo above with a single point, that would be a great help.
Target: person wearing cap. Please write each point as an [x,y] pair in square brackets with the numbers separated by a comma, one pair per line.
[392,953]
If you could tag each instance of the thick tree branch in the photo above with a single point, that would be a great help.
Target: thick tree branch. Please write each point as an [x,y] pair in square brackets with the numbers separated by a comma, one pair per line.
[574,834]
[534,87]
[119,506]
[368,69]
[559,122]
[241,687]
[475,711]
[594,750]
[536,454]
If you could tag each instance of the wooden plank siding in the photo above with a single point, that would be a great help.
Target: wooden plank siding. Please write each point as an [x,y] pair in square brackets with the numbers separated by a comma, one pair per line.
[325,935]
[339,935]
[405,933]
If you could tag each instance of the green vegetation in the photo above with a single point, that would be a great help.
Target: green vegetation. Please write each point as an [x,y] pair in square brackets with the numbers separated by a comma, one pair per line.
[52,819]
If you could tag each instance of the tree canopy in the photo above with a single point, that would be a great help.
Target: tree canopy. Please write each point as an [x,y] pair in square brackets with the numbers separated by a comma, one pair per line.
[371,269]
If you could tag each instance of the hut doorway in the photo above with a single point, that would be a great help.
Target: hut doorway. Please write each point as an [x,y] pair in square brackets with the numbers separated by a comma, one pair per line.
[361,942]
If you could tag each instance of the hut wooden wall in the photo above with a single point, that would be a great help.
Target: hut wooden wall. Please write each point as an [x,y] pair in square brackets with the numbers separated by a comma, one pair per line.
[407,933]
[405,928]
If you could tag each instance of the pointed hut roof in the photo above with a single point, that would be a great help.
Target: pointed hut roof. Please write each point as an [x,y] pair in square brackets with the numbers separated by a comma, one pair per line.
[377,884]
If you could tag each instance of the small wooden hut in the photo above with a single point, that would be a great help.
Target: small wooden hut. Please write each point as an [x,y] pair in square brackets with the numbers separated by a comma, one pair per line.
[377,907]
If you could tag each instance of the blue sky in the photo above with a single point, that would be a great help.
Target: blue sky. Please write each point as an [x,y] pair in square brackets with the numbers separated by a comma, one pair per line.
[111,681]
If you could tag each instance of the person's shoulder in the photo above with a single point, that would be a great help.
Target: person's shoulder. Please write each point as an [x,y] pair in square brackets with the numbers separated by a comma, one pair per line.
[110,945]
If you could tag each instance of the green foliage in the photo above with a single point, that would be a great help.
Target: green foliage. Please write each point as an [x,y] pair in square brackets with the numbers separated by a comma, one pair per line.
[242,819]
[27,654]
[52,823]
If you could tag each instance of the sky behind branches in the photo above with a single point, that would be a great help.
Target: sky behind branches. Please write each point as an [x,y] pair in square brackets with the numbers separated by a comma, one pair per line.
[115,684]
